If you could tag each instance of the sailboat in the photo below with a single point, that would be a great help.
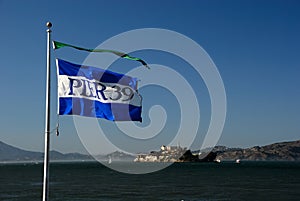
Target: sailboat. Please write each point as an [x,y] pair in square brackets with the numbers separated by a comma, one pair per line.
[109,160]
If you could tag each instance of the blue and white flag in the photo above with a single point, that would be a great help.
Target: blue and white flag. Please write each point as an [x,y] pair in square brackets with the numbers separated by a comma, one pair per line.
[94,92]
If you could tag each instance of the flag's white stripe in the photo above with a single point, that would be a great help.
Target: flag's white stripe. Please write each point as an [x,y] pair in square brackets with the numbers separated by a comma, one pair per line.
[81,87]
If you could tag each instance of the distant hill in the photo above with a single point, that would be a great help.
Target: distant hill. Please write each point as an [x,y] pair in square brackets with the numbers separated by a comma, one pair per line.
[116,156]
[9,153]
[282,151]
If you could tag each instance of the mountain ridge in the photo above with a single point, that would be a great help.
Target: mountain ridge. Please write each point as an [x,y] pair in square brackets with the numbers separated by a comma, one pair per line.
[280,151]
[9,153]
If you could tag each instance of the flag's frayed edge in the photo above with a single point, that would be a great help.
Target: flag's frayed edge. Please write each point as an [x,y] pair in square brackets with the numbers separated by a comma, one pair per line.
[57,45]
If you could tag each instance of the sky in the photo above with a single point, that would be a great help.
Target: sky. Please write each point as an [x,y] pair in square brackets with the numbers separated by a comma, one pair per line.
[255,46]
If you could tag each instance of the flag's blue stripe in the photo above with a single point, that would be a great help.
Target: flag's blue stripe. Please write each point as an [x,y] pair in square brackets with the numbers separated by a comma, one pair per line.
[90,108]
[70,69]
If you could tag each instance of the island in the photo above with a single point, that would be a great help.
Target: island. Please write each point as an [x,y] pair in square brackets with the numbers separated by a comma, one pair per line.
[172,154]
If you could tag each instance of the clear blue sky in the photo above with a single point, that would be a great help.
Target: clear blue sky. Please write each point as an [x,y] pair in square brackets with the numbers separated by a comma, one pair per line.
[254,44]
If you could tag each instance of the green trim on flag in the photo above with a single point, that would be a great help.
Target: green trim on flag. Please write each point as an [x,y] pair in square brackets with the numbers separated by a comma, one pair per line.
[57,45]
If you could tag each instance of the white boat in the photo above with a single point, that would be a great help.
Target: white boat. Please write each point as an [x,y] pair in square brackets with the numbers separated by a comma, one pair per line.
[237,160]
[109,160]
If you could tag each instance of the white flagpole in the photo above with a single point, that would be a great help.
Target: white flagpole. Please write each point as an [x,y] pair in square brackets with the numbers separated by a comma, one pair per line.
[47,119]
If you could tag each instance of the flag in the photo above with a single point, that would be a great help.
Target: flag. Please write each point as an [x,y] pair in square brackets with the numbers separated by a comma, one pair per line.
[57,45]
[94,92]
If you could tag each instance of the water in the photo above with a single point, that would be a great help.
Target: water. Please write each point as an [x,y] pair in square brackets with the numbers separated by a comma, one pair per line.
[90,181]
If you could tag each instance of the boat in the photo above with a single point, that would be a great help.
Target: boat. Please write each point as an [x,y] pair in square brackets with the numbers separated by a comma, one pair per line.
[237,160]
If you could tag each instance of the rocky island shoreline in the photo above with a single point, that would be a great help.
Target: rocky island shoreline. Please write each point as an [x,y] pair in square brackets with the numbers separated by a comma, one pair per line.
[283,151]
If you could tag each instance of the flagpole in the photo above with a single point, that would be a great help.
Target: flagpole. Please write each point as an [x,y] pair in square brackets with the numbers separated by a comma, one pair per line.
[47,119]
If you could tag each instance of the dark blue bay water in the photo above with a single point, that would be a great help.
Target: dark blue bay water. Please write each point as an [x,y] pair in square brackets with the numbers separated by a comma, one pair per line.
[91,181]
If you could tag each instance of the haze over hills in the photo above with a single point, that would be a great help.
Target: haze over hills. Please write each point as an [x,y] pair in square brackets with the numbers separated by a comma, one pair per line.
[10,153]
[283,151]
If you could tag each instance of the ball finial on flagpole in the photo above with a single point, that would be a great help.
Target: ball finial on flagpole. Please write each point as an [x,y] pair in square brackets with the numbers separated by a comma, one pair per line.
[49,24]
